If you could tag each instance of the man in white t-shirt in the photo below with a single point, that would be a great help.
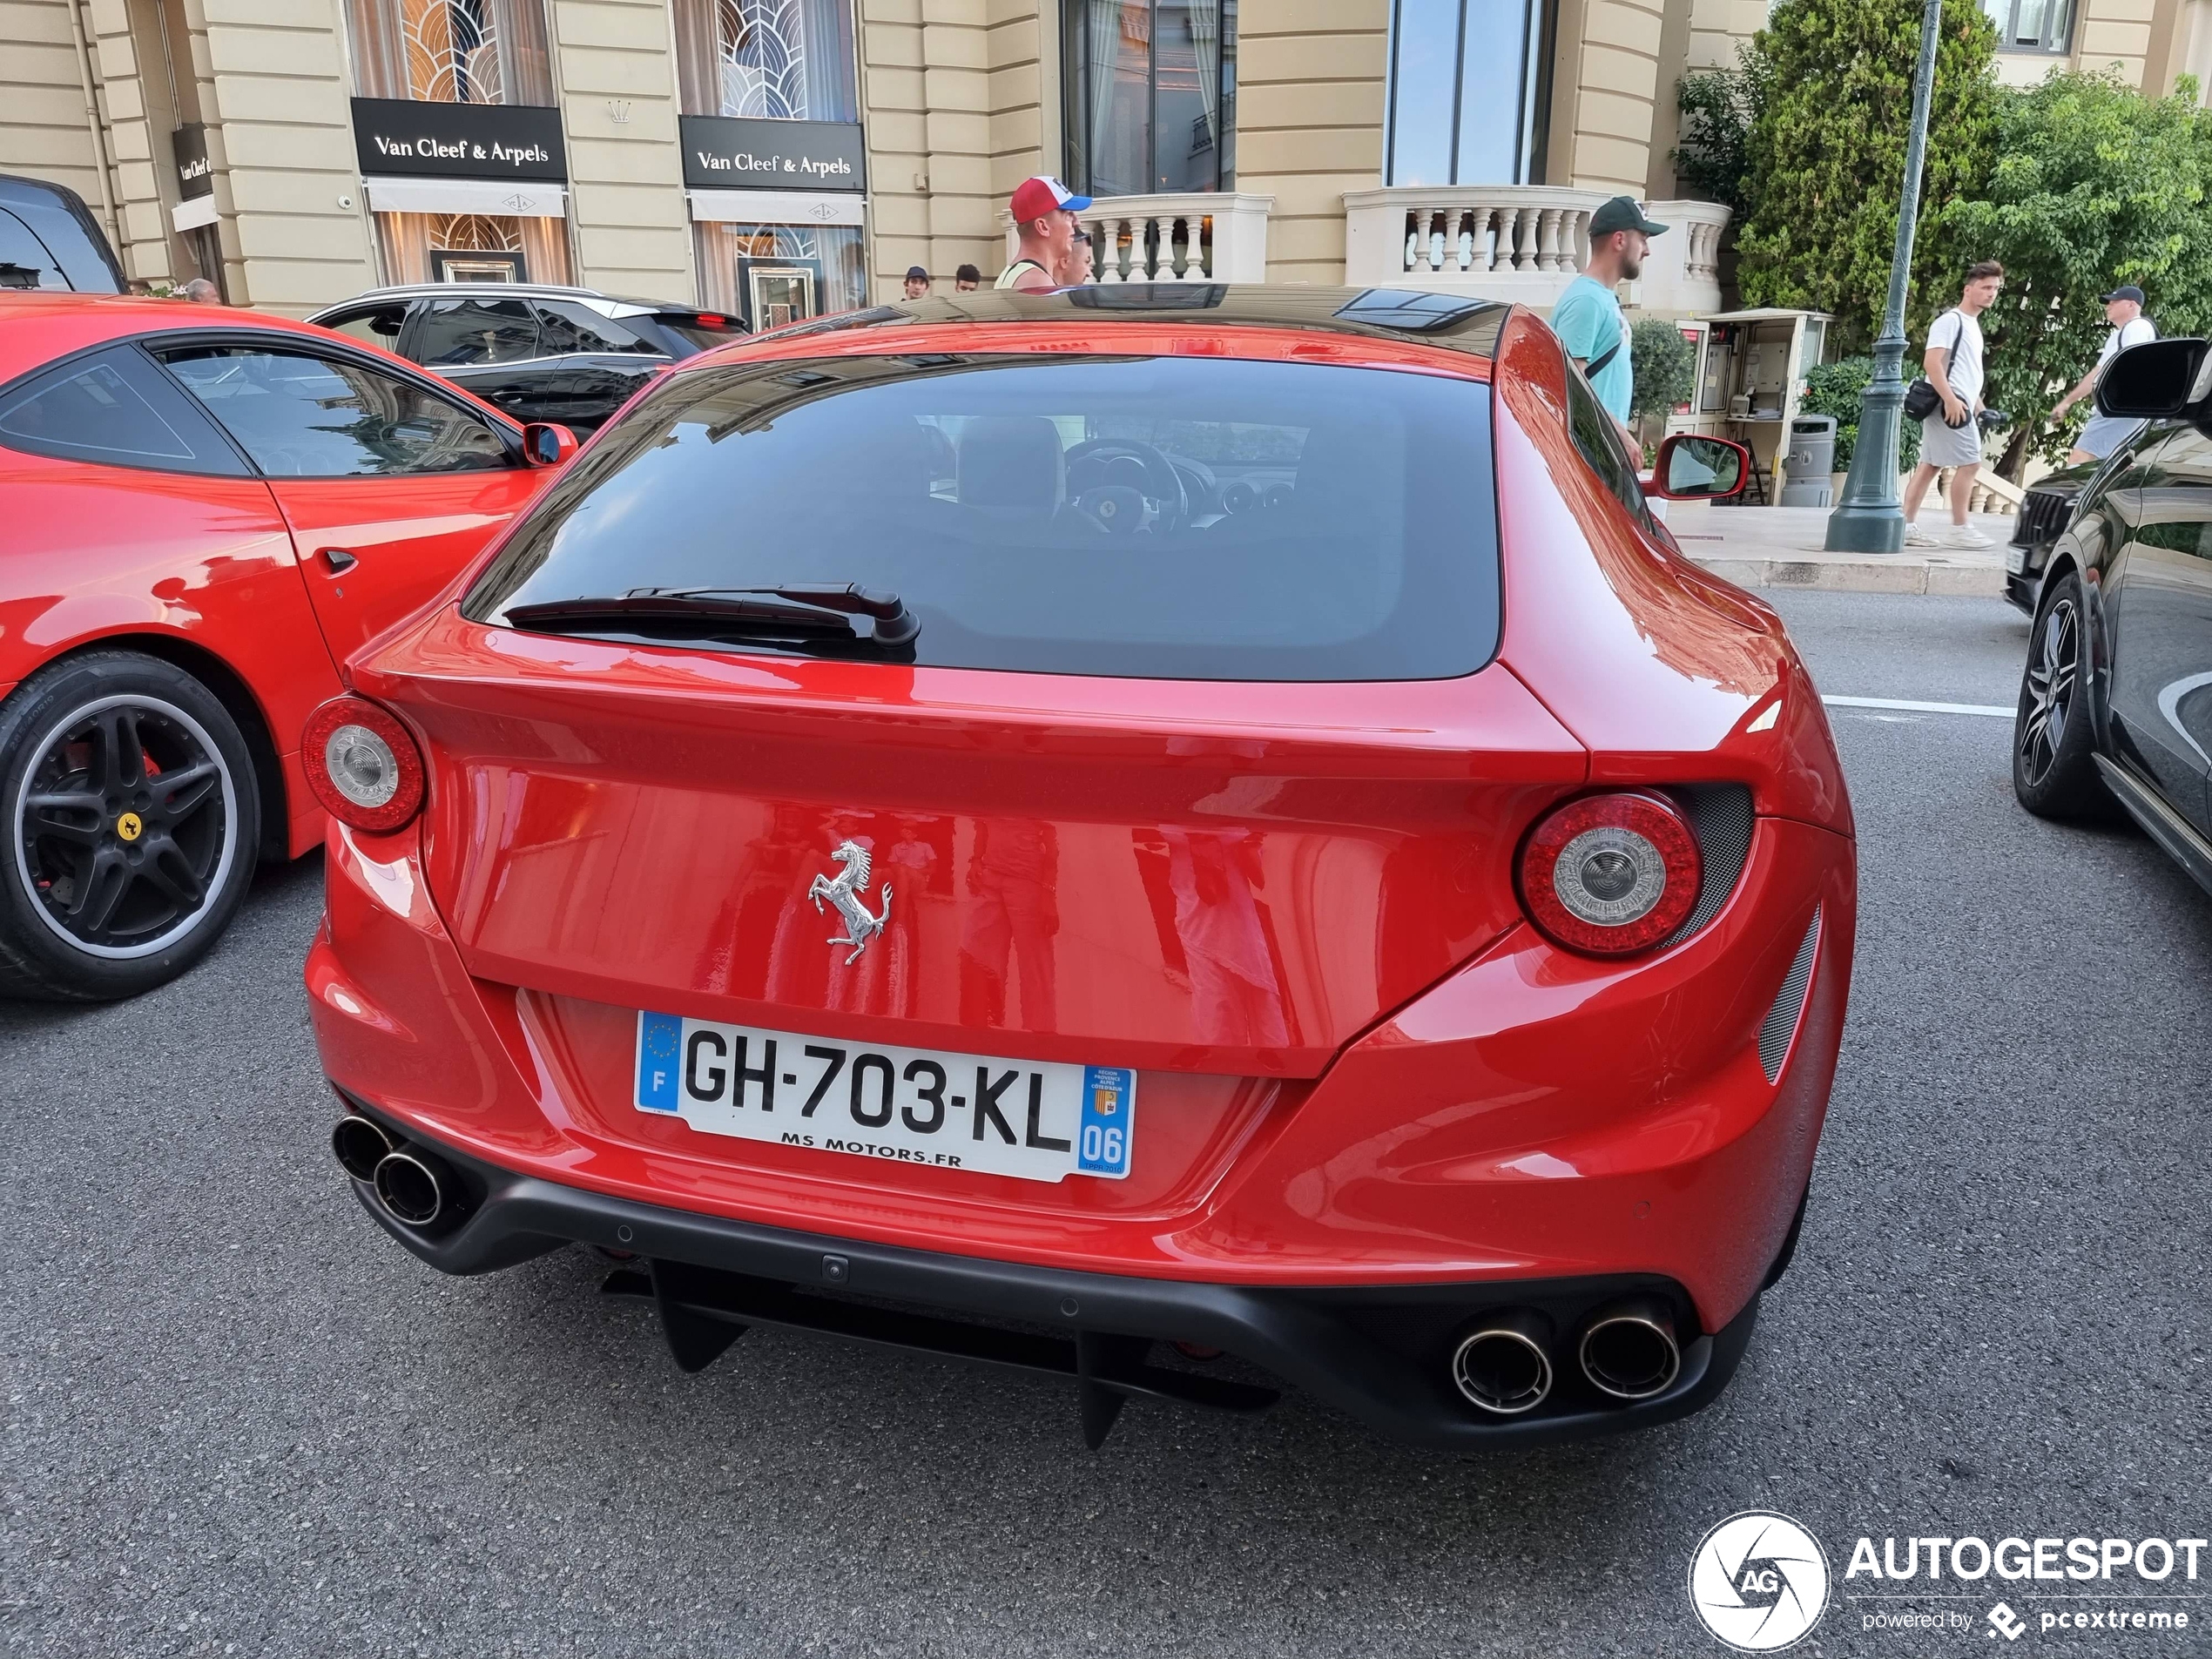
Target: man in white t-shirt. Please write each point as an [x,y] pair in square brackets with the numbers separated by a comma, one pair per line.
[2105,433]
[1951,437]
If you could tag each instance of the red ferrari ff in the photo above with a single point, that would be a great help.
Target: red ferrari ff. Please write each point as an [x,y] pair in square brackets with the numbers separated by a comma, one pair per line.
[1079,831]
[206,511]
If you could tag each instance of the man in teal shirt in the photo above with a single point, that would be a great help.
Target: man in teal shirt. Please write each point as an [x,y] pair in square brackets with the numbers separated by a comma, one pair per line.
[1587,318]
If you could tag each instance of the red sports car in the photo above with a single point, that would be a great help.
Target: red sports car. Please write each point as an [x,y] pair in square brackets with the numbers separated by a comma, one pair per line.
[206,511]
[1079,831]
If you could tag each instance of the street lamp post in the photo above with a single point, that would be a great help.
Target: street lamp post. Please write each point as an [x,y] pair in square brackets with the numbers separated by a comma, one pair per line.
[1868,518]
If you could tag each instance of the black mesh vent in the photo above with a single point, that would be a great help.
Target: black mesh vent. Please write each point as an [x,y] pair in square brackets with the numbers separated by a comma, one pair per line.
[1720,817]
[1781,1022]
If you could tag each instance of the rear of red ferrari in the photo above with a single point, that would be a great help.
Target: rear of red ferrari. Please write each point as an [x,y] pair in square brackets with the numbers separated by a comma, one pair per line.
[1041,840]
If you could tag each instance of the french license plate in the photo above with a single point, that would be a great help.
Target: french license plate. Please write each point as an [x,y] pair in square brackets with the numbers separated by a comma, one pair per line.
[2015,560]
[1036,1120]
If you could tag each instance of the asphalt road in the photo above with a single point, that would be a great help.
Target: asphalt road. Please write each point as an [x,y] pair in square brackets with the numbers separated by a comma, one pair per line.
[240,1420]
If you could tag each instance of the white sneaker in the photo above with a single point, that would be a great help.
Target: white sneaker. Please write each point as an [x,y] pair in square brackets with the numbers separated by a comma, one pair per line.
[1967,535]
[1915,537]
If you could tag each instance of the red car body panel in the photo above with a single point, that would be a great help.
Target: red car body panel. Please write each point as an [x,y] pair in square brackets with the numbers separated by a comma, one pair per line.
[1295,912]
[206,569]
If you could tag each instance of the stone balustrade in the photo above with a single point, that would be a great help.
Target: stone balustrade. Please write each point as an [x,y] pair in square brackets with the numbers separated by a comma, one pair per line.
[1191,236]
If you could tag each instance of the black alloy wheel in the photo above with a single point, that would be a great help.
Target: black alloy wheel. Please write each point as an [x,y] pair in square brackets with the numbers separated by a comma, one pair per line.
[132,820]
[2054,770]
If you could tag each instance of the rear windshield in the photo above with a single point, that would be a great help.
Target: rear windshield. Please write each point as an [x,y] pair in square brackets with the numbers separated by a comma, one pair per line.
[1184,518]
[700,334]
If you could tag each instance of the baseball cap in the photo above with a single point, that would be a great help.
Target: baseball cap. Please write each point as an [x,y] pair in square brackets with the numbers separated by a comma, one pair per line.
[1623,214]
[1034,197]
[2124,291]
[915,274]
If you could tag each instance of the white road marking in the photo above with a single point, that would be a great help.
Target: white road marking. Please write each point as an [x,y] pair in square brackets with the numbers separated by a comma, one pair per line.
[1990,710]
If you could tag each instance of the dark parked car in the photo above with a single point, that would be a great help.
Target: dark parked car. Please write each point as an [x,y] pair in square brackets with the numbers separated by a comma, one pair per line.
[2046,509]
[49,240]
[538,352]
[2116,701]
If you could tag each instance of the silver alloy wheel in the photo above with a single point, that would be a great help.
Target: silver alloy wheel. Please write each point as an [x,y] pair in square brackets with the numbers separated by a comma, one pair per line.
[2052,672]
[119,859]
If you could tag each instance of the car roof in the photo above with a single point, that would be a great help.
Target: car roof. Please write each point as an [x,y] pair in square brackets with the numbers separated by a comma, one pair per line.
[1454,322]
[608,304]
[39,325]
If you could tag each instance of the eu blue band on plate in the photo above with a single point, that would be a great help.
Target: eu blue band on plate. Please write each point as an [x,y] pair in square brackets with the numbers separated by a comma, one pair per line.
[1109,1102]
[660,1042]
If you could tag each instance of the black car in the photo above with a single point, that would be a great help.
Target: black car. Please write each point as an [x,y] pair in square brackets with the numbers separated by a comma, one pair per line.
[49,240]
[539,352]
[2116,701]
[2046,506]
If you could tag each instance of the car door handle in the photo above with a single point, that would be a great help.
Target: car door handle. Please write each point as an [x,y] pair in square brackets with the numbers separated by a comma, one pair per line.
[337,560]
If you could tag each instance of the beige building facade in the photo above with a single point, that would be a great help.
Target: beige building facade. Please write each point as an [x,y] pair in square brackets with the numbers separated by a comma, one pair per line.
[779,157]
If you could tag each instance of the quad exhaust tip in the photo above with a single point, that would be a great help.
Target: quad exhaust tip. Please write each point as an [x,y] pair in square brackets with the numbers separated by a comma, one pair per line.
[1502,1366]
[360,1144]
[1629,1350]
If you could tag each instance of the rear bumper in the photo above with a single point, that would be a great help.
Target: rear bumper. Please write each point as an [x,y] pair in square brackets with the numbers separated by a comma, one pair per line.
[1380,1354]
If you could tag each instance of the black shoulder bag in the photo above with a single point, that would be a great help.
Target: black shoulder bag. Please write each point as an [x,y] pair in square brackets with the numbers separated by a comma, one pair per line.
[1921,398]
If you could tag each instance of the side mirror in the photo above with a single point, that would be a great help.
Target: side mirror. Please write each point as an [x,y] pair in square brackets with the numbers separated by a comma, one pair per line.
[1695,468]
[2152,381]
[547,445]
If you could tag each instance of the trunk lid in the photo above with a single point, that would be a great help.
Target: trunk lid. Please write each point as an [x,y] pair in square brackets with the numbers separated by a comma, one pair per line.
[1199,876]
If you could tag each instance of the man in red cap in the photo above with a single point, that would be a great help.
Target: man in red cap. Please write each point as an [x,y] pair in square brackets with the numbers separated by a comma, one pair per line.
[1044,214]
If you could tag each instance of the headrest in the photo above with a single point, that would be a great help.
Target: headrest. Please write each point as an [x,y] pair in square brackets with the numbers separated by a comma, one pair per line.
[1011,461]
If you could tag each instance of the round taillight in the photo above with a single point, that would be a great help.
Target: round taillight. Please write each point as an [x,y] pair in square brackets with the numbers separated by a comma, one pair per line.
[1610,874]
[362,765]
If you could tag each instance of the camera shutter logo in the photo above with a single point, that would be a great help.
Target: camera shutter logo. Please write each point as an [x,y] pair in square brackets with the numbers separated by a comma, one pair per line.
[1759,1581]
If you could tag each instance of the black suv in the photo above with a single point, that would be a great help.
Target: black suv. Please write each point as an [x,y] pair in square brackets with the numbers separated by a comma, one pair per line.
[49,240]
[2116,702]
[539,352]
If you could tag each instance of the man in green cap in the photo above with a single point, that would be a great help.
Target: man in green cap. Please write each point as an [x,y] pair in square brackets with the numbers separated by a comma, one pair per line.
[1587,318]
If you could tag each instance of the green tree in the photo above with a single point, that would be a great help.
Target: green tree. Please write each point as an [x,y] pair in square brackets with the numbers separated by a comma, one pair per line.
[2094,185]
[1827,153]
[1720,108]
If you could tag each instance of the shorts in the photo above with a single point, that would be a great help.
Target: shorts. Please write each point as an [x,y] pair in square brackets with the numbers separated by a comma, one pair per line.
[2105,433]
[1949,446]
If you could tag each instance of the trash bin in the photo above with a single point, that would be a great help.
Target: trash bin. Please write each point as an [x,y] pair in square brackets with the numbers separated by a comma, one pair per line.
[1811,458]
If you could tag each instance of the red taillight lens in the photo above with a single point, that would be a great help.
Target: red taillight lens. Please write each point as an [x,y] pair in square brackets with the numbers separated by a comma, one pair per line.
[1611,875]
[362,764]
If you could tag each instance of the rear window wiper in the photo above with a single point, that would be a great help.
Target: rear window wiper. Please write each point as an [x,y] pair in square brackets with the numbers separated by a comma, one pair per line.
[799,611]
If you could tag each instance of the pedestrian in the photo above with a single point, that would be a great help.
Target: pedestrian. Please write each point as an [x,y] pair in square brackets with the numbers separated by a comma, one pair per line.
[1075,269]
[1950,433]
[1587,318]
[2105,433]
[917,283]
[1044,214]
[201,292]
[966,279]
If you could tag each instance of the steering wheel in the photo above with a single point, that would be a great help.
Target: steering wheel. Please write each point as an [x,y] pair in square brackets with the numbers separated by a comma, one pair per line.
[1163,484]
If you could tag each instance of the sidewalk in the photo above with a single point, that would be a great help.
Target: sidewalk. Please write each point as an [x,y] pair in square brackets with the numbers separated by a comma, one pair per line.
[1780,547]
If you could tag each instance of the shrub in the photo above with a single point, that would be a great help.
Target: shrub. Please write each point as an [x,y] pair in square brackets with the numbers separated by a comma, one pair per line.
[1834,388]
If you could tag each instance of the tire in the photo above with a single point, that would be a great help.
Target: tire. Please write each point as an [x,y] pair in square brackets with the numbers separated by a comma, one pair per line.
[110,882]
[2054,769]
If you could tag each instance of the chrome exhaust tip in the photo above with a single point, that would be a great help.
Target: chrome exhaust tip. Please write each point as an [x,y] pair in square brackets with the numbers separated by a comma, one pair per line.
[1503,1364]
[360,1144]
[1628,1349]
[414,1187]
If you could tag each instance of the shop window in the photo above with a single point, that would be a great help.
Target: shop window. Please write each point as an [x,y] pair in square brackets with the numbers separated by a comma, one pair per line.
[770,274]
[784,60]
[472,247]
[2032,25]
[451,51]
[1151,95]
[1469,91]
